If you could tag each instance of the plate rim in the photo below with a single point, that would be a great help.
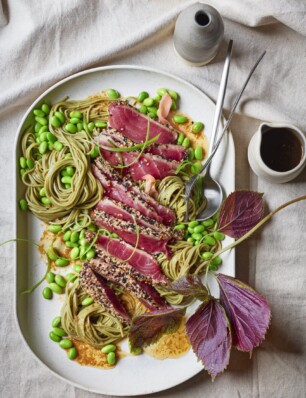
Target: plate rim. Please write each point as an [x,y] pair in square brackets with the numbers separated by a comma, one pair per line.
[15,176]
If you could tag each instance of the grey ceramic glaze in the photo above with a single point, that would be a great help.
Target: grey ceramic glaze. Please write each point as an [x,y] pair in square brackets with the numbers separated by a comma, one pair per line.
[198,33]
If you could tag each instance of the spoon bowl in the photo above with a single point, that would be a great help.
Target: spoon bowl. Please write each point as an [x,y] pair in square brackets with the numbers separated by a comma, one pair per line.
[214,196]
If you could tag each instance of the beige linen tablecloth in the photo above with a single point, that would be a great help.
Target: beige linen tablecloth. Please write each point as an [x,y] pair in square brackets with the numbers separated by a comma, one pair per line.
[42,42]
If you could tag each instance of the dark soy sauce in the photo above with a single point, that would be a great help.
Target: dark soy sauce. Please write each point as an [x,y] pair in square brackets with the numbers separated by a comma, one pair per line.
[281,150]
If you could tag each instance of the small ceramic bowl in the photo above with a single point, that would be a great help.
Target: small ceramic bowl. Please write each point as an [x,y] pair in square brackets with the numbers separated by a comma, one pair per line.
[259,166]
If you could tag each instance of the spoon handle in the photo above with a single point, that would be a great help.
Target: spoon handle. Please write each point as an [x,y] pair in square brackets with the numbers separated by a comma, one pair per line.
[221,95]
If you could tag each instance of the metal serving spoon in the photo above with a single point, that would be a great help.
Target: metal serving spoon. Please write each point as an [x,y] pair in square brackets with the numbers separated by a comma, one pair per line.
[192,181]
[212,189]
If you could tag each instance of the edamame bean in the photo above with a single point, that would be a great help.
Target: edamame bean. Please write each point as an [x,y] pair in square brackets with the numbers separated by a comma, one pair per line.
[80,126]
[90,254]
[111,358]
[209,240]
[41,120]
[71,244]
[180,138]
[157,98]
[52,254]
[179,227]
[190,240]
[100,124]
[66,180]
[196,236]
[50,277]
[75,236]
[112,93]
[74,253]
[191,154]
[82,234]
[46,201]
[22,162]
[55,122]
[67,236]
[199,229]
[82,252]
[95,152]
[216,261]
[70,277]
[55,288]
[219,235]
[43,130]
[51,137]
[143,109]
[74,120]
[152,109]
[67,186]
[61,262]
[60,116]
[37,127]
[23,205]
[148,102]
[72,353]
[207,255]
[70,170]
[75,114]
[198,153]
[92,227]
[197,127]
[179,119]
[142,96]
[193,224]
[173,106]
[58,146]
[87,301]
[213,267]
[30,163]
[45,108]
[152,115]
[190,230]
[161,91]
[196,167]
[208,223]
[59,332]
[43,137]
[47,293]
[65,343]
[42,192]
[83,242]
[71,128]
[186,142]
[43,147]
[38,112]
[173,94]
[108,348]
[55,228]
[22,171]
[60,280]
[56,321]
[91,126]
[55,337]
[77,268]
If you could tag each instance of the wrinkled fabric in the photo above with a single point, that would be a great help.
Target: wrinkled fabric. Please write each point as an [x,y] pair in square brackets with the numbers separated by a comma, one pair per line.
[43,42]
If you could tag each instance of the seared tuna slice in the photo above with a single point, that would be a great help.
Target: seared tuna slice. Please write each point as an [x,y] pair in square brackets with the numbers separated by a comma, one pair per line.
[133,124]
[110,137]
[127,213]
[139,259]
[93,284]
[154,165]
[148,240]
[125,275]
[169,151]
[123,190]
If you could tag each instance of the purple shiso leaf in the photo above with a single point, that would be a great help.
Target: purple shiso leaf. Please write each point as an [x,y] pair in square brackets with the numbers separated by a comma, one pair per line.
[147,328]
[190,285]
[240,212]
[248,312]
[209,334]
